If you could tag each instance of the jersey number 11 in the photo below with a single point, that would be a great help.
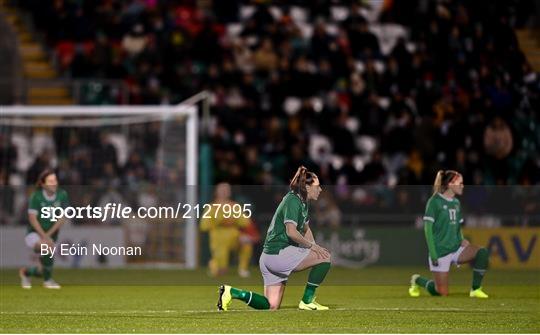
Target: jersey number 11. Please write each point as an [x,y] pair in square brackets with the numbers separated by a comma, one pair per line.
[452,214]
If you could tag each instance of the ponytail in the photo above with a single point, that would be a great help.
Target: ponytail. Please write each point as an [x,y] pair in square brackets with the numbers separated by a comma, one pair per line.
[442,180]
[437,185]
[301,179]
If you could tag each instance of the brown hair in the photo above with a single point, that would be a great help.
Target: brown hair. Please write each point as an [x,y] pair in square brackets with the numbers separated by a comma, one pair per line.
[444,177]
[301,179]
[42,176]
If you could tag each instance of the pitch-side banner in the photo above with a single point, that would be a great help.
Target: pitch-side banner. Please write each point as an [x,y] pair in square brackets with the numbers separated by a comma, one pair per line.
[509,248]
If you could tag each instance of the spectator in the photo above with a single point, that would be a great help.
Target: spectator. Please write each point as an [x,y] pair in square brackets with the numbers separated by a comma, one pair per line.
[8,157]
[134,41]
[498,140]
[265,58]
[41,163]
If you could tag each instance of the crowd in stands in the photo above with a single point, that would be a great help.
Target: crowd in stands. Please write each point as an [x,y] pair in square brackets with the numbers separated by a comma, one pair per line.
[362,92]
[84,156]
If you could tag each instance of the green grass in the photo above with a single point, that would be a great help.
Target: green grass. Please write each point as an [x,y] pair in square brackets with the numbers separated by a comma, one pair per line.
[372,300]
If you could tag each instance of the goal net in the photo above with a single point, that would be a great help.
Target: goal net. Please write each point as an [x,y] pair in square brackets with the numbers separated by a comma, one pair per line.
[141,157]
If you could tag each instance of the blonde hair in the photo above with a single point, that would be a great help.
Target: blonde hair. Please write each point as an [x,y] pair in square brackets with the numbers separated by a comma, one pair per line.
[302,178]
[442,180]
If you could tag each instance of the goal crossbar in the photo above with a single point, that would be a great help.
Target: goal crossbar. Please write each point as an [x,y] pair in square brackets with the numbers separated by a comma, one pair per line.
[96,110]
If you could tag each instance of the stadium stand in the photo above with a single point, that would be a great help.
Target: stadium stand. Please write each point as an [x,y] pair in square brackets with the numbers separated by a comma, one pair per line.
[350,89]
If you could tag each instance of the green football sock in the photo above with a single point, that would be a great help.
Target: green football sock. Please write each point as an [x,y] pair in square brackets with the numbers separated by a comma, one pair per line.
[47,264]
[481,262]
[315,278]
[252,299]
[431,288]
[32,272]
[428,284]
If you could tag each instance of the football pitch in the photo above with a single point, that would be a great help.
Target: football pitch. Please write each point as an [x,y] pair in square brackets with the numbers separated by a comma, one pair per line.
[372,300]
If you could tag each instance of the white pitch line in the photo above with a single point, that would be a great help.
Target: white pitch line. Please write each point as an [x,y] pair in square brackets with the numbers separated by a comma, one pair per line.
[375,309]
[91,312]
[366,309]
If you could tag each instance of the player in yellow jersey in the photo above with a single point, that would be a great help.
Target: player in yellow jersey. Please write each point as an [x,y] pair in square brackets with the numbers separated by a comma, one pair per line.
[224,231]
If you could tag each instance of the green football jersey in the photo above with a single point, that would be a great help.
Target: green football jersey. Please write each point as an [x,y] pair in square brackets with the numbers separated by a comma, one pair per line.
[442,224]
[39,199]
[291,210]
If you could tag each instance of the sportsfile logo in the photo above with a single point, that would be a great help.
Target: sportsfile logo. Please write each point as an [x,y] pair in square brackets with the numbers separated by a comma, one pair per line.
[118,211]
[88,212]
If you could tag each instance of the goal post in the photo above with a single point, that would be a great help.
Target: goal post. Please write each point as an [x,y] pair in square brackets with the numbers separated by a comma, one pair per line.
[178,144]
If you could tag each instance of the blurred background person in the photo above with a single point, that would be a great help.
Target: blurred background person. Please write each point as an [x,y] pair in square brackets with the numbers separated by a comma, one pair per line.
[224,233]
